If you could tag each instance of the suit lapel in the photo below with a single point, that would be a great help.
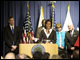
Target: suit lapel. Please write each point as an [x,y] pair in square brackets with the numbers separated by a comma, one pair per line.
[10,30]
[45,34]
[69,34]
[50,34]
[14,32]
[72,35]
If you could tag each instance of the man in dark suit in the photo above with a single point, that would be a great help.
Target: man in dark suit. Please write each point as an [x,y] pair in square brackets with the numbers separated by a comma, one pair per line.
[40,28]
[70,39]
[11,36]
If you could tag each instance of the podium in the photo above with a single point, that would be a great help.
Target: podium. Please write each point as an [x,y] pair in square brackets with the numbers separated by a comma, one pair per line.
[27,48]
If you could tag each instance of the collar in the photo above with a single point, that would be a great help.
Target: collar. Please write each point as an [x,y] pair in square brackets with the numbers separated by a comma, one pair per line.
[50,30]
[72,31]
[11,27]
[46,32]
[58,32]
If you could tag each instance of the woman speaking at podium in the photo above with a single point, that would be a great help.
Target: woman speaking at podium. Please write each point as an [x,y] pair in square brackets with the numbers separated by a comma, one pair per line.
[47,35]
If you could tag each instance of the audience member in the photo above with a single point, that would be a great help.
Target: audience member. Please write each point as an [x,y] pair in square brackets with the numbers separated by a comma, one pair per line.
[37,55]
[22,56]
[76,54]
[45,56]
[10,55]
[2,57]
[55,57]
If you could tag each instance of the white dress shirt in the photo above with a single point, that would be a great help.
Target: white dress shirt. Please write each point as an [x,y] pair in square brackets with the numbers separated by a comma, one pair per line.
[48,33]
[11,27]
[72,32]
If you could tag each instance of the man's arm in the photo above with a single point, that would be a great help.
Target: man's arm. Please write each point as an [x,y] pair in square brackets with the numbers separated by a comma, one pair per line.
[66,42]
[5,38]
[14,47]
[40,37]
[37,33]
[18,37]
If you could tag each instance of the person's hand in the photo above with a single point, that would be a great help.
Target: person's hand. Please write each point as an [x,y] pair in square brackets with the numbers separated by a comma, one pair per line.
[72,48]
[71,56]
[61,47]
[13,47]
[33,38]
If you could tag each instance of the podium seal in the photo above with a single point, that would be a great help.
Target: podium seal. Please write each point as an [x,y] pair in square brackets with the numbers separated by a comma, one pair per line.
[38,47]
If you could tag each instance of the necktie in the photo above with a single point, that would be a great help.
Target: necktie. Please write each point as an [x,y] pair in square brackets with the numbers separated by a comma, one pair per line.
[12,30]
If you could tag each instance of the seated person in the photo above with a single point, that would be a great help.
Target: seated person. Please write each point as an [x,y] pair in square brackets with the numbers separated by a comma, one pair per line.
[76,54]
[60,36]
[46,55]
[22,56]
[37,55]
[47,33]
[2,57]
[55,57]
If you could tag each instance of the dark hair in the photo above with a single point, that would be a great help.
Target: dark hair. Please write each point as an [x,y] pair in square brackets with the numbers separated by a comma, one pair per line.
[56,57]
[76,54]
[48,20]
[10,18]
[45,56]
[25,56]
[37,55]
[43,20]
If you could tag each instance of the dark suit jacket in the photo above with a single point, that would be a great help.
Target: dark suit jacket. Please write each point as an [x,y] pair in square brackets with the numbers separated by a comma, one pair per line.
[70,41]
[38,32]
[9,38]
[51,37]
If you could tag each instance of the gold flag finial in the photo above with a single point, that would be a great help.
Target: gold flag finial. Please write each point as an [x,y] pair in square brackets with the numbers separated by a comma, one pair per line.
[28,4]
[69,6]
[53,3]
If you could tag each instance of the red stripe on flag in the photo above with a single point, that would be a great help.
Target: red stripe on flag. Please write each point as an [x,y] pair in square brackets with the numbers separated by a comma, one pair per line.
[31,34]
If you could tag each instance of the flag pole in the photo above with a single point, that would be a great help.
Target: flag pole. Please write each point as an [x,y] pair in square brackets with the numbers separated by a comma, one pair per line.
[41,6]
[28,20]
[68,10]
[53,12]
[41,3]
[69,6]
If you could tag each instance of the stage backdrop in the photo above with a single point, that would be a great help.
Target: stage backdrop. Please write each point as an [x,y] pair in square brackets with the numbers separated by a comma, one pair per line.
[18,9]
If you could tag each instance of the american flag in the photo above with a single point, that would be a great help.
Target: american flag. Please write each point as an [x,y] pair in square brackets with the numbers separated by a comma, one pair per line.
[27,33]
